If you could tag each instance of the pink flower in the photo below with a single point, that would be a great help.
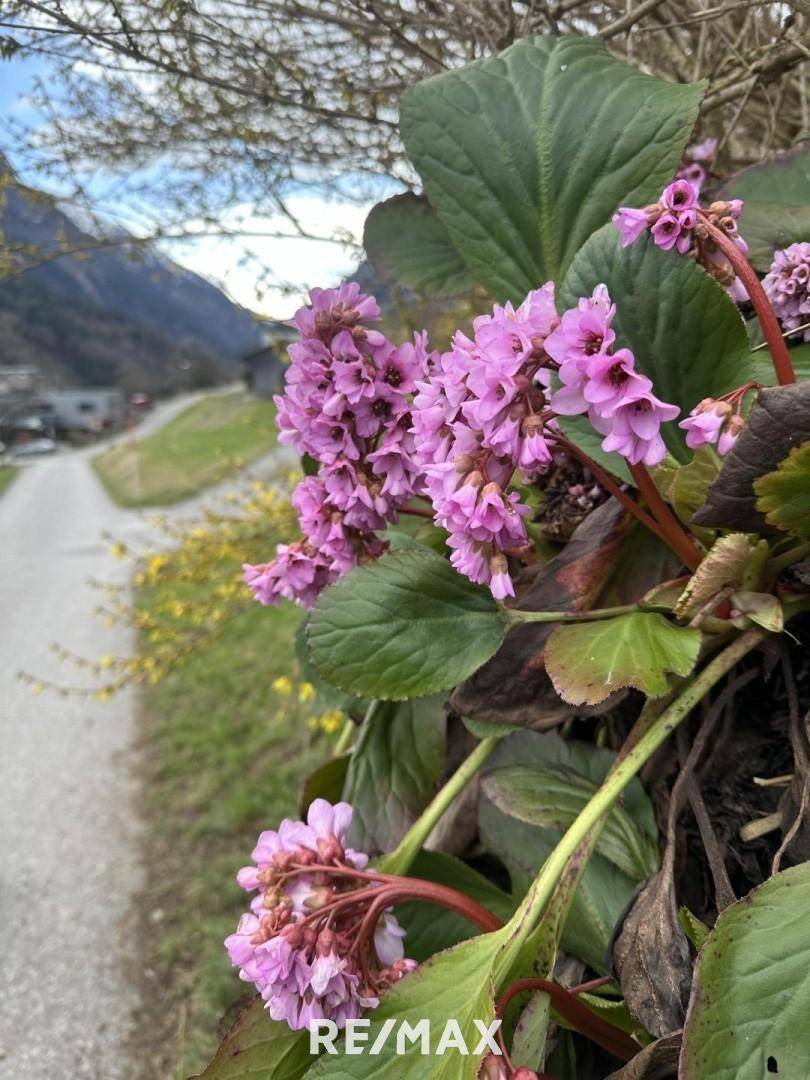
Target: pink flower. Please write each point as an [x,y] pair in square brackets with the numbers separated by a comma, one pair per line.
[634,430]
[704,423]
[612,381]
[787,285]
[630,223]
[297,946]
[679,196]
[666,231]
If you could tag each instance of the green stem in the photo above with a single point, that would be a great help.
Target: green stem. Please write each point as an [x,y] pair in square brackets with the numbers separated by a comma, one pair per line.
[519,616]
[531,910]
[399,860]
[781,562]
[345,739]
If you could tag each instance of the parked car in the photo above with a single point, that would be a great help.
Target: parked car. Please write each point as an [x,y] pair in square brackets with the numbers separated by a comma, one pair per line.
[33,448]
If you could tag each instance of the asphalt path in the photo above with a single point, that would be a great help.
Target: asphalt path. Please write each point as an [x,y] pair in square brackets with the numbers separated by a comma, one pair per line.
[69,829]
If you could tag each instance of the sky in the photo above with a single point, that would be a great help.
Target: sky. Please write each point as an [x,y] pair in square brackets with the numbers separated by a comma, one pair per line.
[234,264]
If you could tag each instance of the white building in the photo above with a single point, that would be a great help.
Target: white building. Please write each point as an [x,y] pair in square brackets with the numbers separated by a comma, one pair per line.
[92,409]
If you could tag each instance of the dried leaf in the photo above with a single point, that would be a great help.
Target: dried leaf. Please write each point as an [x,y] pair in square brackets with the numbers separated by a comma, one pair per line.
[651,957]
[723,566]
[658,1061]
[779,421]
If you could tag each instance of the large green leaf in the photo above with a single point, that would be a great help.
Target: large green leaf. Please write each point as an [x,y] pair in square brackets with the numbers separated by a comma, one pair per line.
[453,985]
[394,770]
[588,661]
[799,358]
[684,330]
[750,1000]
[256,1046]
[602,895]
[777,203]
[784,495]
[404,626]
[524,154]
[430,928]
[407,243]
[604,891]
[553,798]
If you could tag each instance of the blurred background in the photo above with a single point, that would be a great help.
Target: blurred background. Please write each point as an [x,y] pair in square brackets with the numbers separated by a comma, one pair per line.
[173,176]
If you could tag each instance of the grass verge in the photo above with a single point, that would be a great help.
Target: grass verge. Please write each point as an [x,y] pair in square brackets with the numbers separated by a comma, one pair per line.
[225,755]
[7,476]
[207,442]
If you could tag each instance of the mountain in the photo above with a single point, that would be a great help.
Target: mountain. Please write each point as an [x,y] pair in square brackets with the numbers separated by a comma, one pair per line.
[114,314]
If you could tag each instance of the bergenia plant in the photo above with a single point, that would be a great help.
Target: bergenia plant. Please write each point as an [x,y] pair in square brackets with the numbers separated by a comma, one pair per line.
[481,856]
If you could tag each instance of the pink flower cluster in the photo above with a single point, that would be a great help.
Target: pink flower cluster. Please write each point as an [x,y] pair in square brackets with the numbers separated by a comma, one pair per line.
[346,404]
[477,417]
[676,221]
[595,379]
[487,410]
[697,163]
[295,945]
[716,420]
[787,285]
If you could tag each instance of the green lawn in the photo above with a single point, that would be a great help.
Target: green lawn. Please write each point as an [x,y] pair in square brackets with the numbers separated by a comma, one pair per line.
[7,476]
[213,438]
[225,758]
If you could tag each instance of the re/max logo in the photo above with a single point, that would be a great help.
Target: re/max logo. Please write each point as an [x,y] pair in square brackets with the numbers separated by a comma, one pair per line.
[323,1033]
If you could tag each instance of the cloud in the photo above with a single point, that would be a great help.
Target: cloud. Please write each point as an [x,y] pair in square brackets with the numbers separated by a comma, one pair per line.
[253,269]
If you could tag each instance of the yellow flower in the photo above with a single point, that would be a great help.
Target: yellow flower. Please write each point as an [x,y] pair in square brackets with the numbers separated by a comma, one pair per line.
[282,685]
[306,692]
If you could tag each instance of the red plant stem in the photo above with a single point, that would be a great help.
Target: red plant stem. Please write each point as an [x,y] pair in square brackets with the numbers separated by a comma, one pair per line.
[397,889]
[593,984]
[597,1029]
[417,511]
[767,318]
[677,538]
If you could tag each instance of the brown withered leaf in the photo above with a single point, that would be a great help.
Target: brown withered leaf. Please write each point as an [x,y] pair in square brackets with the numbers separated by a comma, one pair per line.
[658,1061]
[513,687]
[651,957]
[779,420]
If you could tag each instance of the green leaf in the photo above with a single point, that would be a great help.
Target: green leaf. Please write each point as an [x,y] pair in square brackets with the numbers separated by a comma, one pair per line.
[453,985]
[778,421]
[783,496]
[407,243]
[406,625]
[588,661]
[723,565]
[325,782]
[524,154]
[260,1047]
[431,928]
[695,930]
[777,203]
[579,430]
[750,1000]
[394,770]
[689,486]
[799,358]
[684,330]
[602,894]
[552,799]
[547,750]
[603,891]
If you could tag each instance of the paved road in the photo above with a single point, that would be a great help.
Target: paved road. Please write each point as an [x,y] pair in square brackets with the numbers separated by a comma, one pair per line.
[69,866]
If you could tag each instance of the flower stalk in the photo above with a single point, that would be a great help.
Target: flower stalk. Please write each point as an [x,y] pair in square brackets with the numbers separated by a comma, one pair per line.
[767,318]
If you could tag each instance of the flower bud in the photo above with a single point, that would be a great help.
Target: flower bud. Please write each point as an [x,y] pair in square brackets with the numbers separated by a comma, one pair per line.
[492,1068]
